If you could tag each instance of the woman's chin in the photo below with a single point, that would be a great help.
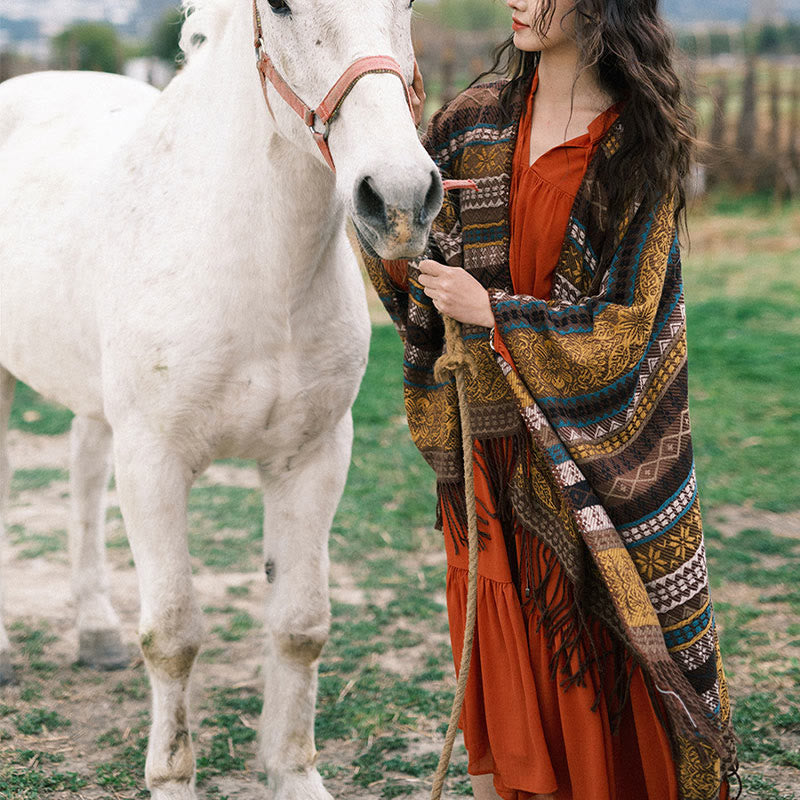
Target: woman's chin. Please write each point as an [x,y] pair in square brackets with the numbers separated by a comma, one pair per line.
[527,41]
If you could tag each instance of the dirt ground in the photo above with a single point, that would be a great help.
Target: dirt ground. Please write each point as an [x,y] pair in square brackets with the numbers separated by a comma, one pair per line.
[37,590]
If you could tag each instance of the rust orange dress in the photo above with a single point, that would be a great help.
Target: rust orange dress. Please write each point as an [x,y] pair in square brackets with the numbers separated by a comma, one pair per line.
[534,736]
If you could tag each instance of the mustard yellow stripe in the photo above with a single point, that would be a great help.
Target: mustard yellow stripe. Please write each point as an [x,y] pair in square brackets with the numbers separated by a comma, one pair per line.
[478,226]
[478,245]
[685,645]
[645,407]
[688,620]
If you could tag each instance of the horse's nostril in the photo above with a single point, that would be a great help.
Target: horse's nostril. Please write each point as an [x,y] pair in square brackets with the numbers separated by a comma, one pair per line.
[370,204]
[433,199]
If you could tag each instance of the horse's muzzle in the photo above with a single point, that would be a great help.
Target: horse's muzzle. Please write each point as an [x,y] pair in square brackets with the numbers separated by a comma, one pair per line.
[395,218]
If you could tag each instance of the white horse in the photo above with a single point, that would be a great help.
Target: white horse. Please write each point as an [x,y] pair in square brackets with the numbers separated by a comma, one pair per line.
[174,268]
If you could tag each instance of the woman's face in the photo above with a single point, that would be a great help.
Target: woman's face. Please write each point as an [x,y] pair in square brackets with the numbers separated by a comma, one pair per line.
[524,21]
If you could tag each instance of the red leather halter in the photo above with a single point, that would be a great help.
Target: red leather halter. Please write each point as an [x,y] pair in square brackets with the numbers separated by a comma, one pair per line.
[319,120]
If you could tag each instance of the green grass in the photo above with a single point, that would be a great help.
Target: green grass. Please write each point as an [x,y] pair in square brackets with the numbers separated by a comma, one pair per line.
[23,776]
[760,720]
[46,419]
[125,769]
[226,524]
[32,479]
[743,291]
[744,359]
[34,722]
[31,641]
[239,626]
[736,638]
[389,488]
[136,687]
[749,557]
[35,544]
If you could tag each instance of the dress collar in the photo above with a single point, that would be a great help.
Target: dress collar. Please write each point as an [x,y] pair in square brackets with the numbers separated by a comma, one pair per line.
[596,129]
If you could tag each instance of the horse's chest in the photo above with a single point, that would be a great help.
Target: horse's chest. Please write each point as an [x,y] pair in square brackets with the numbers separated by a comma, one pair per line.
[275,407]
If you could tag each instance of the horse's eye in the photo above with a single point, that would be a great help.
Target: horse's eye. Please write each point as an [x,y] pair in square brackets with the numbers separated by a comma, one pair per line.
[280,7]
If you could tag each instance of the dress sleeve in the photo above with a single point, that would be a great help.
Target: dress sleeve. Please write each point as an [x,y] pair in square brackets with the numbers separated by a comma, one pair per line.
[570,348]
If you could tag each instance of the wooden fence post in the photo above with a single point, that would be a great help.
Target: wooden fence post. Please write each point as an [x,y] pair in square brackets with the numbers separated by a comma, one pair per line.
[794,118]
[774,140]
[448,68]
[748,120]
[716,152]
[716,135]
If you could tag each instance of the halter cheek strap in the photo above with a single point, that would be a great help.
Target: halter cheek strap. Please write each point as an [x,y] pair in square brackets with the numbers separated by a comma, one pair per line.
[319,120]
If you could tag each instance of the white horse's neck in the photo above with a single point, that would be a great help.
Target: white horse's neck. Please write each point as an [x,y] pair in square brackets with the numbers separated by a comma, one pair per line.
[271,198]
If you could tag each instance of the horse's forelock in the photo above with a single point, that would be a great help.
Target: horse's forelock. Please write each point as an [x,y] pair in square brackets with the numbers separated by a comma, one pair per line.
[203,20]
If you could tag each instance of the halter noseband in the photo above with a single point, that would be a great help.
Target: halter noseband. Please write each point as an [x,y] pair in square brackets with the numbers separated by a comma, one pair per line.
[318,120]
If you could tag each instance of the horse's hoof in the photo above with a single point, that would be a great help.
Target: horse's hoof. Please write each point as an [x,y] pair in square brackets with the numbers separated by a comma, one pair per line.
[7,675]
[173,791]
[102,650]
[302,786]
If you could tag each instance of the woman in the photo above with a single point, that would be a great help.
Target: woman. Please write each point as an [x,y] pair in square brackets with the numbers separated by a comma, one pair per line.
[596,673]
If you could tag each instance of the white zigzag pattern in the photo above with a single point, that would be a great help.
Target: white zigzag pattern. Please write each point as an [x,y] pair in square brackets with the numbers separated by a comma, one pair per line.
[664,517]
[710,699]
[492,191]
[674,589]
[696,655]
[569,473]
[594,518]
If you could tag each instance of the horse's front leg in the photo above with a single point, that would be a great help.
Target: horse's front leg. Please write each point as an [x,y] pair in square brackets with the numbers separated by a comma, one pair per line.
[299,503]
[153,483]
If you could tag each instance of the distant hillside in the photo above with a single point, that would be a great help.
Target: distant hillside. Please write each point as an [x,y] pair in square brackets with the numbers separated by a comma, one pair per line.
[690,11]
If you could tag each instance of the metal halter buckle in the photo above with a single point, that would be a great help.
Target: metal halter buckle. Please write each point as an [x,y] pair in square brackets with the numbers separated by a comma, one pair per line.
[313,122]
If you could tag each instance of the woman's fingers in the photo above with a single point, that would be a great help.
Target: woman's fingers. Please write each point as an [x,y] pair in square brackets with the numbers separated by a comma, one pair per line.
[438,281]
[417,95]
[428,267]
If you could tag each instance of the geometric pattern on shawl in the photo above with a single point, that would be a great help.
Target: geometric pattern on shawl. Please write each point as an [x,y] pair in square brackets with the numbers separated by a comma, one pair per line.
[597,401]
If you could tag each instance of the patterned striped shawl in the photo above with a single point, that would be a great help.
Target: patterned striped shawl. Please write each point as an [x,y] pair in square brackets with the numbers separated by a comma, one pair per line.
[587,436]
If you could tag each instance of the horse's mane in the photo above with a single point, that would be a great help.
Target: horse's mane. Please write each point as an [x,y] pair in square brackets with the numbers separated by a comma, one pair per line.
[203,20]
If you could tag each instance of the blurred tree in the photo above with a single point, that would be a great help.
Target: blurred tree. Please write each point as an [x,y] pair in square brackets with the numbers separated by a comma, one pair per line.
[719,42]
[790,38]
[688,43]
[90,46]
[166,36]
[768,39]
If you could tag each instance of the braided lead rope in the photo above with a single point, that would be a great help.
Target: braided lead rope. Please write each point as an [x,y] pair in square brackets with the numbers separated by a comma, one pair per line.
[457,361]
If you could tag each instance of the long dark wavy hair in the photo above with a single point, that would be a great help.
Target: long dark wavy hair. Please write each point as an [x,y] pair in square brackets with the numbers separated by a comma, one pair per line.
[631,47]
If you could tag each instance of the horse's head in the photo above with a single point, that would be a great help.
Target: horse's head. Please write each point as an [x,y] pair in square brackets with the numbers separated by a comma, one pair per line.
[389,185]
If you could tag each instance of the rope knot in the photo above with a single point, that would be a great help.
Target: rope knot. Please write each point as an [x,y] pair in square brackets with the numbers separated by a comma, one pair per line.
[456,357]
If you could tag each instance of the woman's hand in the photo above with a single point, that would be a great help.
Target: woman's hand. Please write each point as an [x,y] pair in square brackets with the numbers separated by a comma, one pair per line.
[456,293]
[417,95]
